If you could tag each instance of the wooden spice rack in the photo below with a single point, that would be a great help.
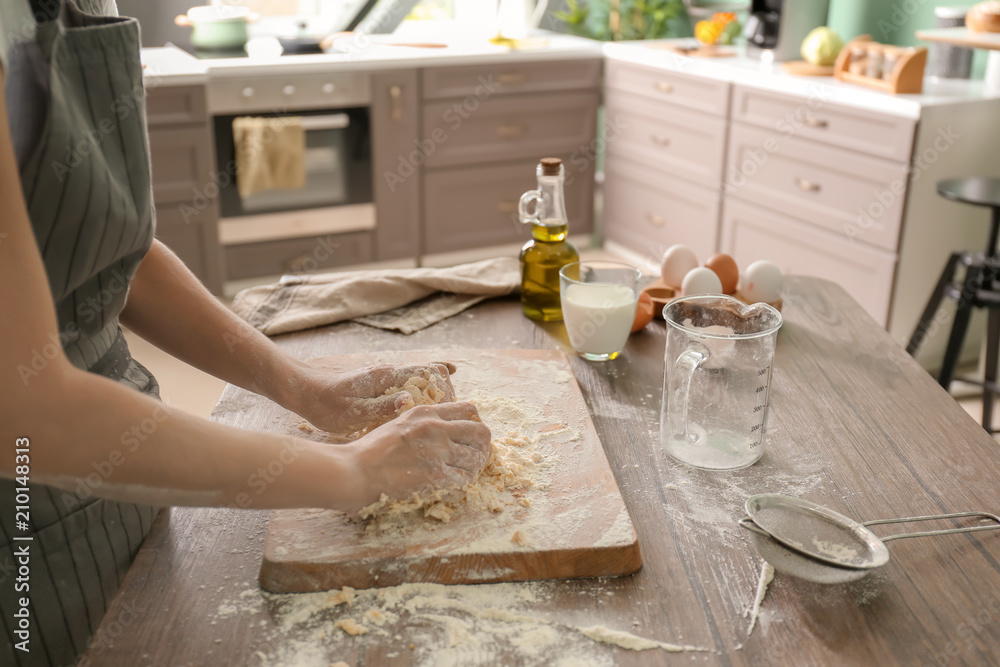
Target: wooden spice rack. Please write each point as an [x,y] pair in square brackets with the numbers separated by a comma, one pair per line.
[907,75]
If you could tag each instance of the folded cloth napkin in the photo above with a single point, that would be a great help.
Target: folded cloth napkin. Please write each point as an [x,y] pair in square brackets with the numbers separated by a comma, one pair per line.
[270,153]
[376,298]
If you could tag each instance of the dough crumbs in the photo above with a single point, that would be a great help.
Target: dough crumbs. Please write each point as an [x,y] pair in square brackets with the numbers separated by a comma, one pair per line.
[520,539]
[344,596]
[307,428]
[627,640]
[524,502]
[508,468]
[350,626]
[339,664]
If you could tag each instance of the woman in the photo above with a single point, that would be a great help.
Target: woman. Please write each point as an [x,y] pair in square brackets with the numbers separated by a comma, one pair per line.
[77,256]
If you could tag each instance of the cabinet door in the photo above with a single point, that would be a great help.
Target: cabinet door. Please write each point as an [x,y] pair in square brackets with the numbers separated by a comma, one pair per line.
[180,159]
[175,105]
[193,236]
[396,185]
[698,93]
[472,207]
[301,255]
[855,196]
[667,137]
[509,128]
[750,233]
[512,77]
[648,211]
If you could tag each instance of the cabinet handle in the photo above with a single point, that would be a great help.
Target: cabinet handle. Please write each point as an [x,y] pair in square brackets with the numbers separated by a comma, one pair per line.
[655,220]
[664,87]
[512,77]
[511,131]
[506,207]
[396,95]
[818,123]
[663,142]
[808,186]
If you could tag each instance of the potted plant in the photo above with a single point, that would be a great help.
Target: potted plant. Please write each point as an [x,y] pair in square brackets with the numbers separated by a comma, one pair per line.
[618,20]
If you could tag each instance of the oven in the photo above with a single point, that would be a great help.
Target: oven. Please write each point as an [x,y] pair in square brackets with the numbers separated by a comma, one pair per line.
[277,231]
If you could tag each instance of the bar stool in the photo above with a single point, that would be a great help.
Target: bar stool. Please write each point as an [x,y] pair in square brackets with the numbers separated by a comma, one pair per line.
[977,290]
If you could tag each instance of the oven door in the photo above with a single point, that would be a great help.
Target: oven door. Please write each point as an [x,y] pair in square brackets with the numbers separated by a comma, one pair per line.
[337,165]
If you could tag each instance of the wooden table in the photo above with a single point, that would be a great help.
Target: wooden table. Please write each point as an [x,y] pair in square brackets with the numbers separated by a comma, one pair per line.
[855,425]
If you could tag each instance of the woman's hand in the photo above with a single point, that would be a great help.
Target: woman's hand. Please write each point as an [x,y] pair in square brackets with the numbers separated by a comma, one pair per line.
[347,402]
[429,446]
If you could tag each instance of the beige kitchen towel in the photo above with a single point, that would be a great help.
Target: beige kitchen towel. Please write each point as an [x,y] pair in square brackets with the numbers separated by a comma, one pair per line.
[406,300]
[270,153]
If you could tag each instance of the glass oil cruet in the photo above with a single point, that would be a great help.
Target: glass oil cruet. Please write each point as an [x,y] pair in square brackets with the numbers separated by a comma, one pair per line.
[548,250]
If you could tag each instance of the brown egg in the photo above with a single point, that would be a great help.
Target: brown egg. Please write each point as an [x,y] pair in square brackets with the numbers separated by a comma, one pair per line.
[643,312]
[725,267]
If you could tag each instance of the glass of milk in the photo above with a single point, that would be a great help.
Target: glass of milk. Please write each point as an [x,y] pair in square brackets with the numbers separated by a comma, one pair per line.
[598,304]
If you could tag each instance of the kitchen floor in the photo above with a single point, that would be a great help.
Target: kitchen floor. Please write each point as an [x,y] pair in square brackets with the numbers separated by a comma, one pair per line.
[189,389]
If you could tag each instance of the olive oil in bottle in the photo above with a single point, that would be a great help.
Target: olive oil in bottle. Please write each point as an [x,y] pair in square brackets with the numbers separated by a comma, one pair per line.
[548,250]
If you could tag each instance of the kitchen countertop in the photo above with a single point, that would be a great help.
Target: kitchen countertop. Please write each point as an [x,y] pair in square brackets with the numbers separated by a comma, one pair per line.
[854,424]
[171,65]
[754,73]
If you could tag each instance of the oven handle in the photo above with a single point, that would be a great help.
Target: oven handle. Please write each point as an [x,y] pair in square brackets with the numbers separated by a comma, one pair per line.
[334,121]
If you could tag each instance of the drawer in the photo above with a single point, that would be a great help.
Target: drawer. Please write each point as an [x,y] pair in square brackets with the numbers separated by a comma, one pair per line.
[867,132]
[301,255]
[175,105]
[301,90]
[750,233]
[685,143]
[852,195]
[508,128]
[180,158]
[663,85]
[475,207]
[483,81]
[648,211]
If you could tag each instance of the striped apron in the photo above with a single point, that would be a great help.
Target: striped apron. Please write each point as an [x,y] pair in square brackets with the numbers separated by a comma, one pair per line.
[87,188]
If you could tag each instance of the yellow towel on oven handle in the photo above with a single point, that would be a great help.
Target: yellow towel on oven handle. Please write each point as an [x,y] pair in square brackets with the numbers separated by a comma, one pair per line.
[270,153]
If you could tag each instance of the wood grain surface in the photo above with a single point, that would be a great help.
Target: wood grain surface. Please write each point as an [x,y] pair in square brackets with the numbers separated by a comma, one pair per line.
[573,524]
[855,425]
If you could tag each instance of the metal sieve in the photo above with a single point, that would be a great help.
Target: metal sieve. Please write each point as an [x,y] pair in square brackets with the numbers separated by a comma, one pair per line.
[808,540]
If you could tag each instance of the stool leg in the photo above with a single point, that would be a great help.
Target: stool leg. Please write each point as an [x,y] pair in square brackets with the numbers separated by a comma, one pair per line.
[960,325]
[923,324]
[990,375]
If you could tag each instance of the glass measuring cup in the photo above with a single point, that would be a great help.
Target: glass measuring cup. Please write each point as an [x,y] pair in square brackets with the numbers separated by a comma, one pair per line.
[716,380]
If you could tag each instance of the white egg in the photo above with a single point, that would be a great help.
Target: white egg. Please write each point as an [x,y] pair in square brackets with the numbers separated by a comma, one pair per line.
[676,262]
[700,280]
[762,281]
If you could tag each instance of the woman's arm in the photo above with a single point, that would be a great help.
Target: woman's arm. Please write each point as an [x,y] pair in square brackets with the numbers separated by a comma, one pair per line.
[171,309]
[78,422]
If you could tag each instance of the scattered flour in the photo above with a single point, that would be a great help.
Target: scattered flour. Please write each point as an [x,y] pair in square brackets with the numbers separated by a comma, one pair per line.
[766,576]
[629,641]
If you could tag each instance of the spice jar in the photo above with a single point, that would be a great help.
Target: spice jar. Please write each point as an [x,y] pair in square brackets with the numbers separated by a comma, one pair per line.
[874,57]
[890,56]
[858,62]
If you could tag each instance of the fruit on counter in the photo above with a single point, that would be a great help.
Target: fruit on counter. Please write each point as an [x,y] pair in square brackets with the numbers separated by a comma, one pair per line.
[643,312]
[700,280]
[722,28]
[676,262]
[762,281]
[726,268]
[822,46]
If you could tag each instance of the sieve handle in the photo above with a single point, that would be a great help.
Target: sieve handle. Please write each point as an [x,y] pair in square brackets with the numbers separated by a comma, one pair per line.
[949,531]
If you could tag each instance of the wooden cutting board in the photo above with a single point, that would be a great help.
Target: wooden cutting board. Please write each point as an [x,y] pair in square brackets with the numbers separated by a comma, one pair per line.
[575,524]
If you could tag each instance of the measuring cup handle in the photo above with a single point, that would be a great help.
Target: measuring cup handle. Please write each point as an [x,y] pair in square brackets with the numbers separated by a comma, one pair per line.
[526,200]
[949,531]
[679,389]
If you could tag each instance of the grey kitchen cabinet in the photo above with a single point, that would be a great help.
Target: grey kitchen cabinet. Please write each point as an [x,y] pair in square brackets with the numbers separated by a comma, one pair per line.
[484,128]
[180,142]
[395,139]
